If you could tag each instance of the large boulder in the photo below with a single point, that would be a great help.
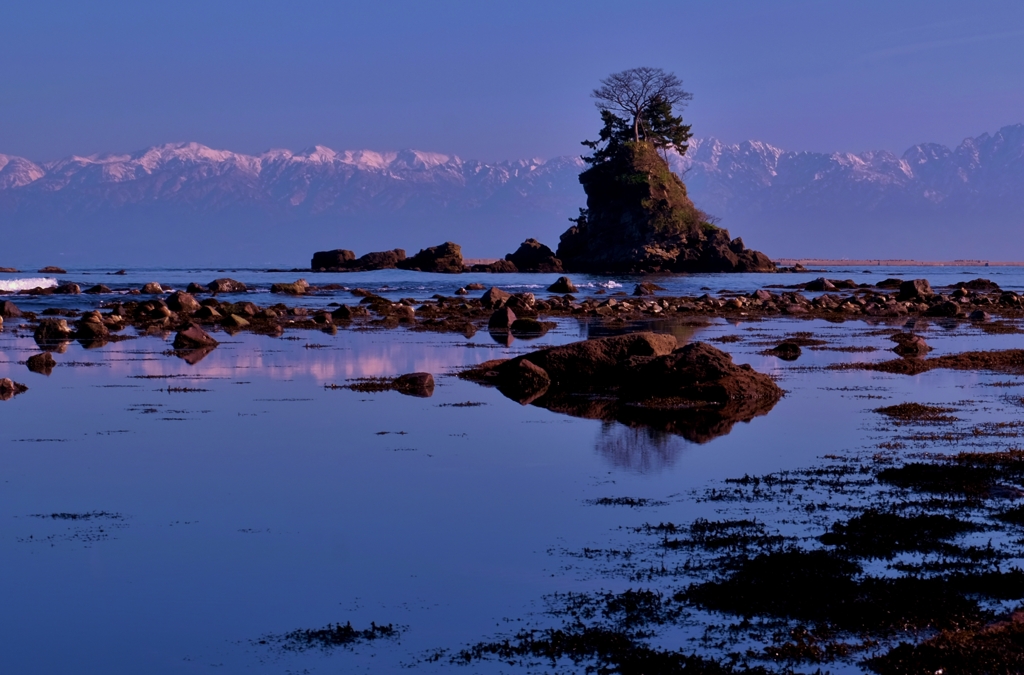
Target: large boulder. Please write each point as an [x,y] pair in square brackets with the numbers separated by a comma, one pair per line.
[180,301]
[52,331]
[91,327]
[9,310]
[226,286]
[330,260]
[915,289]
[695,391]
[445,258]
[639,219]
[533,256]
[193,337]
[592,362]
[495,298]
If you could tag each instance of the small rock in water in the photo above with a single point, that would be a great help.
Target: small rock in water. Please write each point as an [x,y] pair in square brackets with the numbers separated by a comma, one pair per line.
[787,351]
[9,388]
[502,319]
[415,384]
[97,289]
[979,316]
[50,331]
[9,310]
[908,344]
[646,288]
[52,269]
[41,363]
[563,285]
[152,288]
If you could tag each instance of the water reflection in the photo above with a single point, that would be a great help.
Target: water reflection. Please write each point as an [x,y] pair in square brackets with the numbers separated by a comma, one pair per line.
[638,449]
[696,424]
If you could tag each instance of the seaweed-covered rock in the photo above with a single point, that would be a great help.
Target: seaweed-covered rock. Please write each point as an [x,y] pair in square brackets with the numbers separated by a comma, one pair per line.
[639,379]
[445,258]
[639,219]
[533,256]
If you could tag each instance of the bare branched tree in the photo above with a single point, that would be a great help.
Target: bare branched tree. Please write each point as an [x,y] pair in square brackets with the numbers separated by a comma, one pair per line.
[633,91]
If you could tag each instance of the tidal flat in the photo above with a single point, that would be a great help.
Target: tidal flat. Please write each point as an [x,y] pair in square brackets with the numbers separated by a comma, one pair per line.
[274,507]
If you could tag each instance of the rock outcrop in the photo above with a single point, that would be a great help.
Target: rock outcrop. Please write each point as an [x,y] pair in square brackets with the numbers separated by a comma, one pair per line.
[639,219]
[341,260]
[446,258]
[639,379]
[533,256]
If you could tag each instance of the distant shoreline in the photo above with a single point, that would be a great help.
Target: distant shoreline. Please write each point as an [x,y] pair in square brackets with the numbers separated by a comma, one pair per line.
[878,262]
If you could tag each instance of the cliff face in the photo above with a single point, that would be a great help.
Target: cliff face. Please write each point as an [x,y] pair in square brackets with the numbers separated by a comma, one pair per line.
[639,219]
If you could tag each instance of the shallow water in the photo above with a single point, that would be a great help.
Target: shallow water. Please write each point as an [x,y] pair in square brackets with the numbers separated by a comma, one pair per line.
[259,502]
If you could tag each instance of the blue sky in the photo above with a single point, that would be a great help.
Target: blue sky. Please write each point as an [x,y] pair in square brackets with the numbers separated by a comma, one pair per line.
[497,80]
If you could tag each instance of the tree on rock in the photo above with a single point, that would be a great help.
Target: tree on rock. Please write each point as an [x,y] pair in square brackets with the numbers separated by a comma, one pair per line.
[647,97]
[639,217]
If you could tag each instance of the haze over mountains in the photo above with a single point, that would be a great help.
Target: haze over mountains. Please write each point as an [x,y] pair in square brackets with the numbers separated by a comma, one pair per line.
[187,204]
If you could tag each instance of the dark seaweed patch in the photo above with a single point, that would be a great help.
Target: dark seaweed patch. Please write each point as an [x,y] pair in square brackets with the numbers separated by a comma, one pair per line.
[879,534]
[916,412]
[329,637]
[634,502]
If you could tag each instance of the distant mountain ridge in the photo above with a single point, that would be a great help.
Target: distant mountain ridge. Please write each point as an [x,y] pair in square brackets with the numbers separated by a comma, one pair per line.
[222,207]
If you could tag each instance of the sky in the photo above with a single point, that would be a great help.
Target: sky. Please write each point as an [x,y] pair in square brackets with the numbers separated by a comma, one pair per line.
[498,80]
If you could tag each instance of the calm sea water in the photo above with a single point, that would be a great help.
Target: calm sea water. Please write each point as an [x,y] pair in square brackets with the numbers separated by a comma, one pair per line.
[258,502]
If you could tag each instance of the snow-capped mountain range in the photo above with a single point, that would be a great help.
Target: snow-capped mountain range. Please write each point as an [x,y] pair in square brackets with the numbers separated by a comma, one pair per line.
[224,207]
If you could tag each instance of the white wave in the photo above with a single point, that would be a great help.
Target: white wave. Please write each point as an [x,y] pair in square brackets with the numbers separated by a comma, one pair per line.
[14,285]
[610,284]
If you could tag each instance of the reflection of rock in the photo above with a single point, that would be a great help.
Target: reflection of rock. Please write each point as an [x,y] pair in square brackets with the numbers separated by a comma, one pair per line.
[9,388]
[640,449]
[641,379]
[193,356]
[41,363]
